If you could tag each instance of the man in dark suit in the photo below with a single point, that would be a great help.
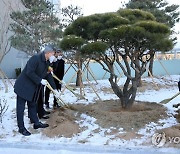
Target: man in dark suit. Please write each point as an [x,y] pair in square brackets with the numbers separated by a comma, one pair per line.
[26,87]
[58,69]
[42,113]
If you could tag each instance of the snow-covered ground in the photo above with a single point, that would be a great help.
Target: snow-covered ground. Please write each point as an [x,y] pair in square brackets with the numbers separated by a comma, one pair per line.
[13,142]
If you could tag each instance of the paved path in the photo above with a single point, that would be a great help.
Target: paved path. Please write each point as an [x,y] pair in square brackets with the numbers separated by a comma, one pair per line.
[54,148]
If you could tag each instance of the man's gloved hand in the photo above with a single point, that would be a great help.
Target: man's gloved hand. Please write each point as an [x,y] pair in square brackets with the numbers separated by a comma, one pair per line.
[56,93]
[44,82]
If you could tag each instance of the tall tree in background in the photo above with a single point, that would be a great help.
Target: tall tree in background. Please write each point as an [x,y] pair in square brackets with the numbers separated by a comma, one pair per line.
[35,26]
[73,44]
[70,13]
[164,13]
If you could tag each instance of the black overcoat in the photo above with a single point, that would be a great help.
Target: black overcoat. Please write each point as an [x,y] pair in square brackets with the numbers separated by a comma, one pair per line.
[28,81]
[58,70]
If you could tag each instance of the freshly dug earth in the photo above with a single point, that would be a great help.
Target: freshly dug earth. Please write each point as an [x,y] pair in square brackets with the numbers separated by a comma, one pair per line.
[109,114]
[62,123]
[177,116]
[172,134]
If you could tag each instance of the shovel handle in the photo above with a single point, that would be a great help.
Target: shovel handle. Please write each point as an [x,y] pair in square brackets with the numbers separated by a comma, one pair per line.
[59,99]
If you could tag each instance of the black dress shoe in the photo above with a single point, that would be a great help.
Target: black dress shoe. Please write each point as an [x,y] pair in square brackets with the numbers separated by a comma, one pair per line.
[44,117]
[40,125]
[24,132]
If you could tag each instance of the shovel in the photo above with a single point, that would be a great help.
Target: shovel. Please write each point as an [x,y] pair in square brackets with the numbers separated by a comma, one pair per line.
[59,100]
[165,101]
[68,87]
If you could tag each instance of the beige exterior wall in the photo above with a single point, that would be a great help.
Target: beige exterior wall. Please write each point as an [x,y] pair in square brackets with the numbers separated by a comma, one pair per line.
[9,61]
[6,7]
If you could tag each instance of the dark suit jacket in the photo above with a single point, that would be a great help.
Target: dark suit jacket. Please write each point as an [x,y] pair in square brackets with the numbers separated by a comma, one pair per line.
[35,70]
[58,70]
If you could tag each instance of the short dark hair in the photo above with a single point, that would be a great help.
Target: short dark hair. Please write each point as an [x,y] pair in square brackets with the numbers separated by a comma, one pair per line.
[58,50]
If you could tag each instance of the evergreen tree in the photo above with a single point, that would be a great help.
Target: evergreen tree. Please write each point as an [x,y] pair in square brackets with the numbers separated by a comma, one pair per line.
[35,26]
[70,13]
[164,13]
[126,37]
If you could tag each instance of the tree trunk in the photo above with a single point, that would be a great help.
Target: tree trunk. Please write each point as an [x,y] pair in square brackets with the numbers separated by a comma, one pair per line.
[79,74]
[79,78]
[127,96]
[139,82]
[3,80]
[126,103]
[151,66]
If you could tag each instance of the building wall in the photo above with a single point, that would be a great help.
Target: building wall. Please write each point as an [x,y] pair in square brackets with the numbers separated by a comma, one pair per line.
[160,68]
[10,61]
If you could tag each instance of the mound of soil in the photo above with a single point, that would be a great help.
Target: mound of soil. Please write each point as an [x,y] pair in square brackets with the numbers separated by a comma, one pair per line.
[62,123]
[109,114]
[177,116]
[172,136]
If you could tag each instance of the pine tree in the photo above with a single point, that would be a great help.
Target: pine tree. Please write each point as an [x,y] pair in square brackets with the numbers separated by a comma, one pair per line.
[164,13]
[35,26]
[70,13]
[124,38]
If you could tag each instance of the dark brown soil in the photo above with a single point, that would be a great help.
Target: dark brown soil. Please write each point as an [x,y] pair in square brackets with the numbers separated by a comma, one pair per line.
[108,114]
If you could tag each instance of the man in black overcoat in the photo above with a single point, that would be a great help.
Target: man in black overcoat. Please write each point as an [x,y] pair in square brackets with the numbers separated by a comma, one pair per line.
[58,70]
[26,86]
